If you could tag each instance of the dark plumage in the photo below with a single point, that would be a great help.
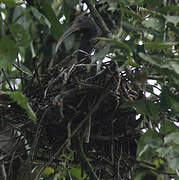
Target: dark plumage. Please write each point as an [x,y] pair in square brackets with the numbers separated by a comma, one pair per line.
[89,30]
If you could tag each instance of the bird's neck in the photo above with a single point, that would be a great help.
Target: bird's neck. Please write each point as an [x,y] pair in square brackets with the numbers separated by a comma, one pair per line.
[85,46]
[86,43]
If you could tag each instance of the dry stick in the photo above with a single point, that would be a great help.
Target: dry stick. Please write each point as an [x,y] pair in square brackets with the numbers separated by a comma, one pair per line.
[97,17]
[69,138]
[87,161]
[7,79]
[11,161]
[3,171]
[20,72]
[32,151]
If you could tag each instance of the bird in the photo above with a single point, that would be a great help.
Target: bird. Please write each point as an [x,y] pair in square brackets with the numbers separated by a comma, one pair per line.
[87,27]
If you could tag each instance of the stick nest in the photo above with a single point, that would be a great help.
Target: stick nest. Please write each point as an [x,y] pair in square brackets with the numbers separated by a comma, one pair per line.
[79,111]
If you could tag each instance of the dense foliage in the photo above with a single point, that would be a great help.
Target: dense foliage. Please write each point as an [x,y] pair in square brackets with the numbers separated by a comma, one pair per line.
[113,118]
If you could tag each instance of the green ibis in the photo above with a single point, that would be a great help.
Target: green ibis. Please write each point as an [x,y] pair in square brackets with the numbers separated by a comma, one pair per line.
[88,29]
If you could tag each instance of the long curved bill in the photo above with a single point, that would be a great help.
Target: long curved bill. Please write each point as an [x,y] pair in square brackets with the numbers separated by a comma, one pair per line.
[71,30]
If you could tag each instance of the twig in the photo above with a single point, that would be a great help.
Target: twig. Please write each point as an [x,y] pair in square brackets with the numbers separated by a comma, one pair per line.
[7,79]
[87,161]
[32,151]
[11,161]
[2,168]
[88,130]
[19,65]
[21,70]
[3,171]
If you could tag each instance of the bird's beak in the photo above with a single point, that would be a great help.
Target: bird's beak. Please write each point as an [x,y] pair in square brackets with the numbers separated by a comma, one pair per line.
[71,30]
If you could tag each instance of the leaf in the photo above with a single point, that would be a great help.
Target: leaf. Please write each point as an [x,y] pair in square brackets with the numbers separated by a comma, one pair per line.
[174,163]
[120,44]
[159,45]
[169,9]
[172,19]
[23,102]
[172,137]
[100,55]
[162,62]
[11,3]
[131,13]
[76,172]
[151,139]
[40,16]
[145,107]
[167,127]
[153,3]
[175,66]
[163,151]
[147,58]
[169,101]
[47,10]
[20,16]
[20,35]
[154,23]
[8,51]
[48,171]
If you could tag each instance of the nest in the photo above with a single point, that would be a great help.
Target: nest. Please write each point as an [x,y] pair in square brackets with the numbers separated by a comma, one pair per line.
[79,110]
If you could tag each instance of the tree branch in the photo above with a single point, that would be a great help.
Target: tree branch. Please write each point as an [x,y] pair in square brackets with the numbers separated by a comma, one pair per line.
[98,19]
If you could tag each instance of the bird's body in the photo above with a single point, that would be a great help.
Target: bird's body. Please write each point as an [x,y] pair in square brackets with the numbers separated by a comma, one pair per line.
[88,29]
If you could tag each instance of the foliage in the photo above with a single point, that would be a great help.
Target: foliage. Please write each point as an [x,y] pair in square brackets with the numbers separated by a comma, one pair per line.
[116,117]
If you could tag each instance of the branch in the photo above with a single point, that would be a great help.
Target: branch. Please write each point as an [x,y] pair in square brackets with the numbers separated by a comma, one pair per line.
[7,79]
[98,19]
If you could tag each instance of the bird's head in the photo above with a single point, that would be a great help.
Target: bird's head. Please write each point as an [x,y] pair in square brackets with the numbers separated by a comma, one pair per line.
[85,25]
[82,24]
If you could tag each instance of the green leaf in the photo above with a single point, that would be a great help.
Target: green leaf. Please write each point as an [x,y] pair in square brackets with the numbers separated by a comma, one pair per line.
[167,127]
[23,102]
[169,9]
[148,58]
[123,46]
[100,55]
[131,13]
[71,3]
[175,66]
[172,19]
[56,27]
[159,45]
[20,35]
[174,163]
[40,16]
[94,2]
[169,101]
[48,171]
[154,23]
[151,139]
[162,62]
[145,107]
[76,172]
[163,151]
[172,137]
[8,51]
[153,3]
[11,3]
